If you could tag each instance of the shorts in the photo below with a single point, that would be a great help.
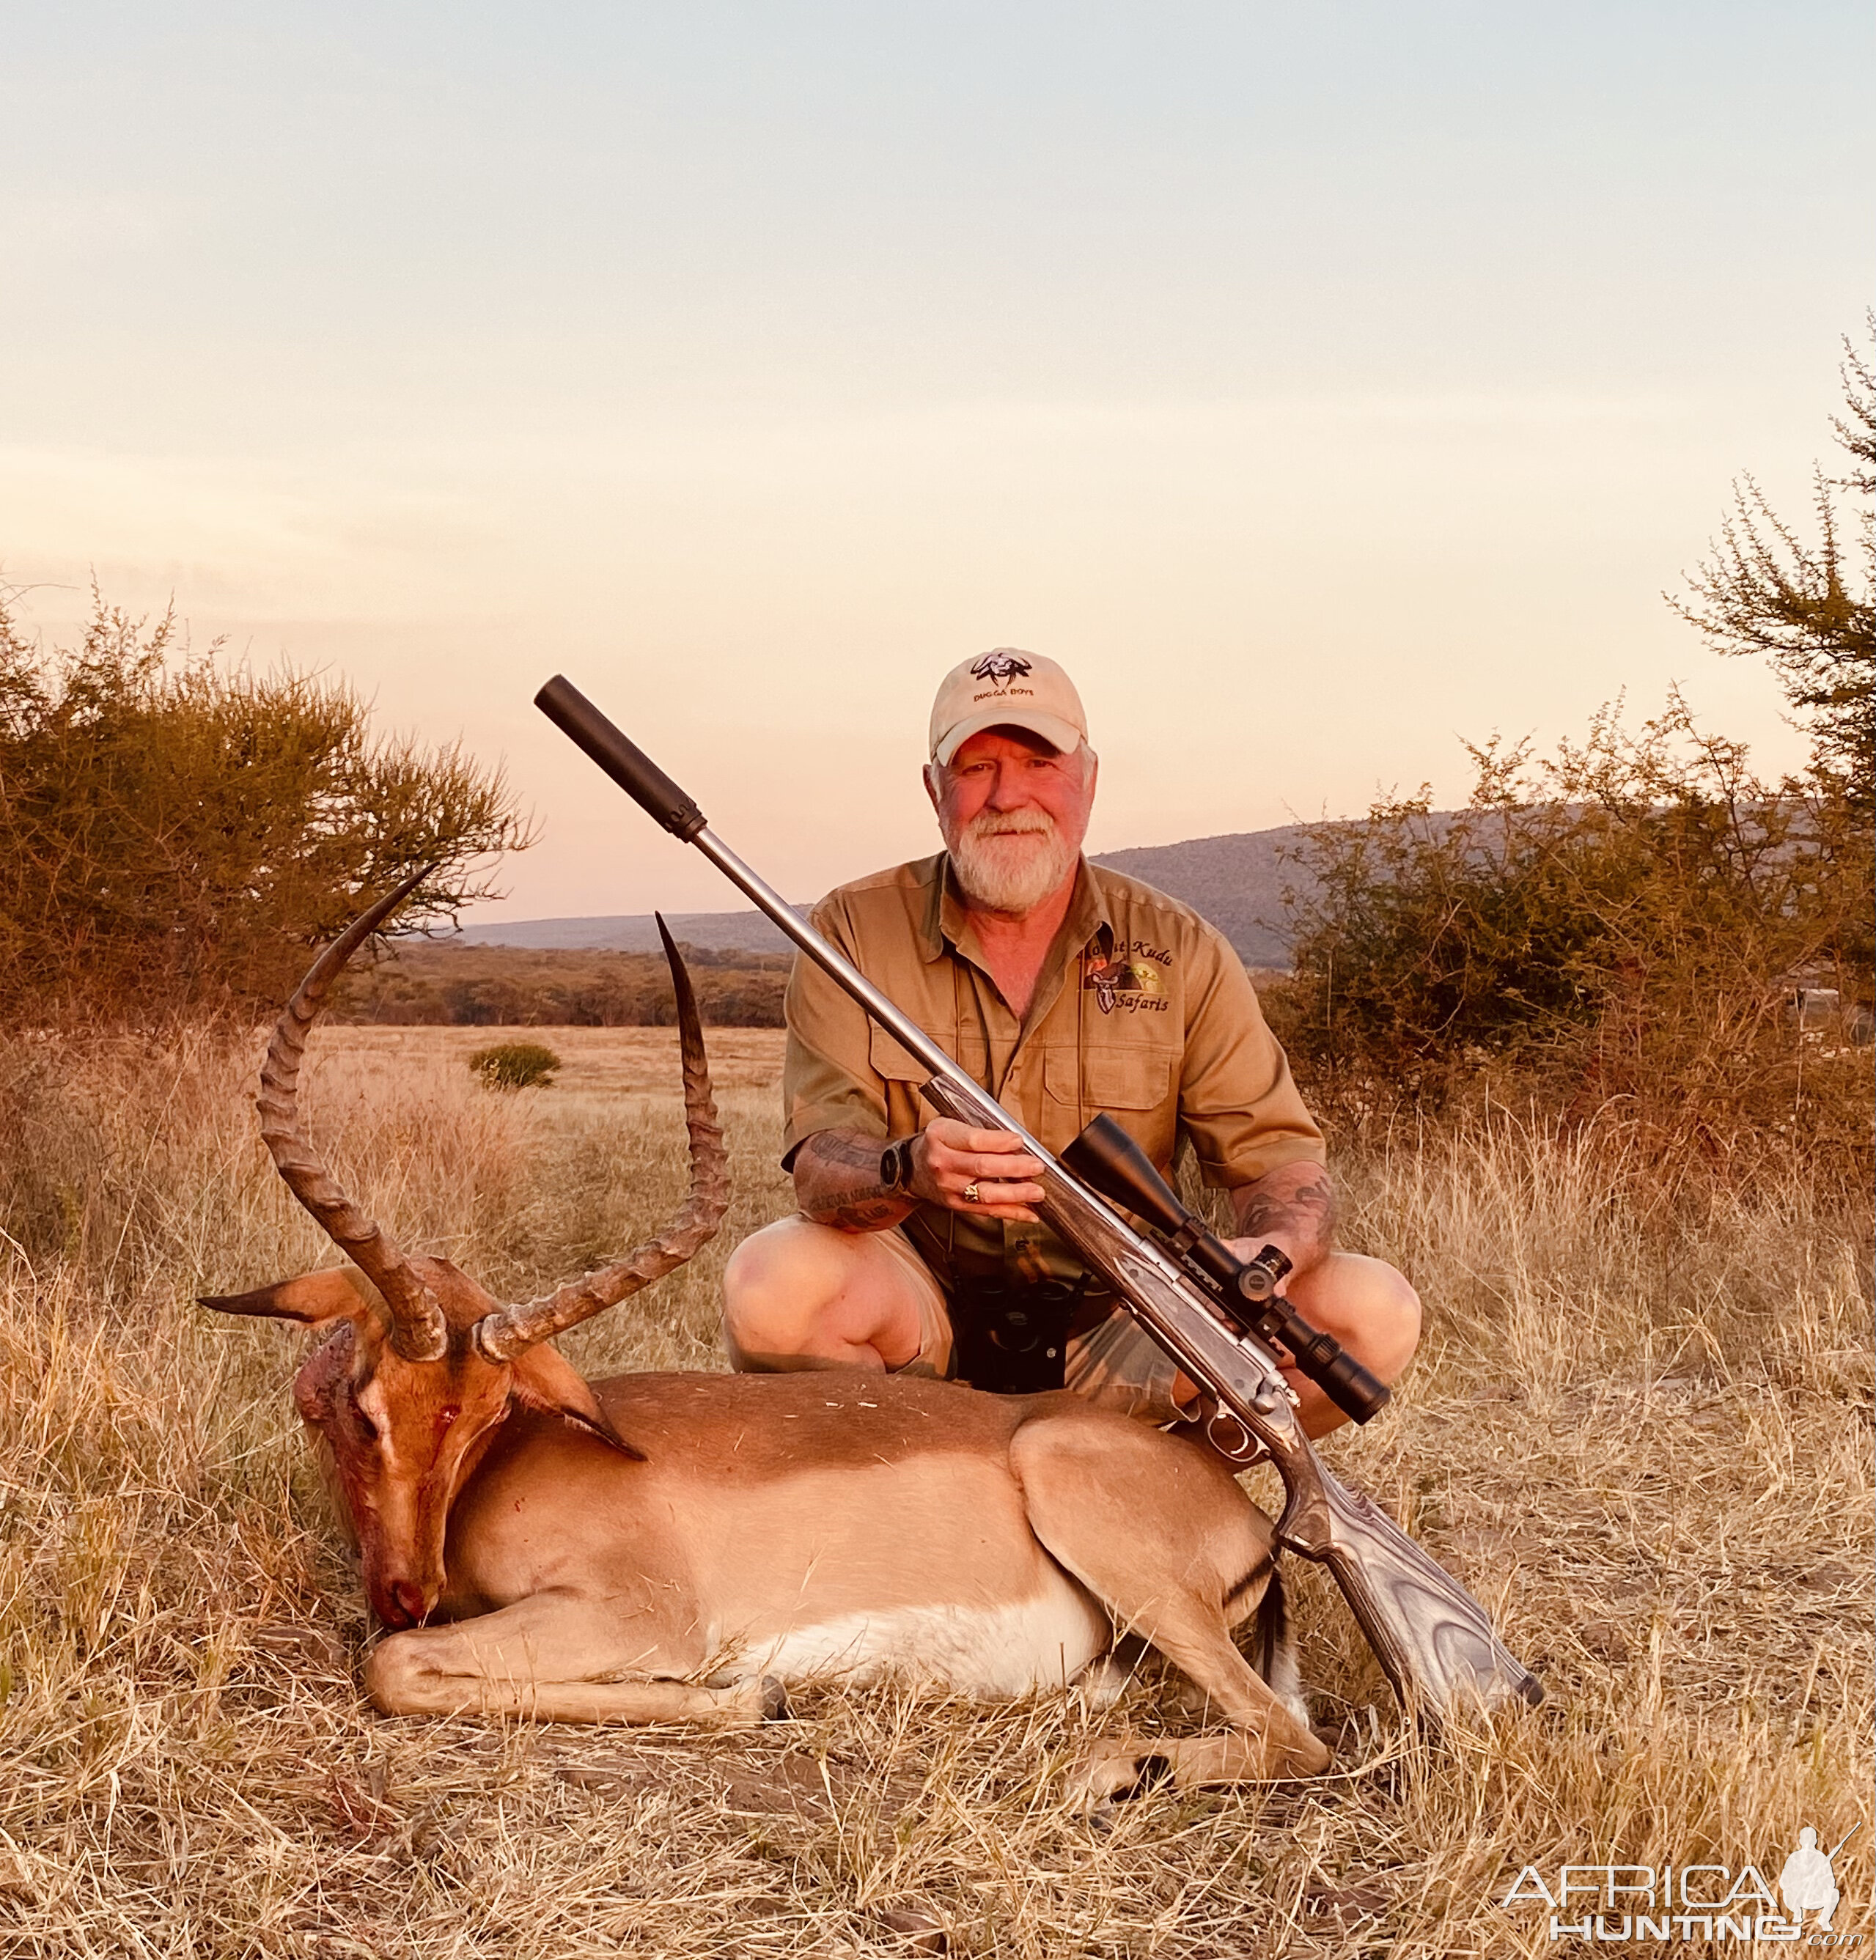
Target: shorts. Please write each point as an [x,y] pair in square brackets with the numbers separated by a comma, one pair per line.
[1116,1364]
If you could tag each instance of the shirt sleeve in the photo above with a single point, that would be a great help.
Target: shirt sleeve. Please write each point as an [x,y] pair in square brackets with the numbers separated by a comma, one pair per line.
[1238,1101]
[828,1081]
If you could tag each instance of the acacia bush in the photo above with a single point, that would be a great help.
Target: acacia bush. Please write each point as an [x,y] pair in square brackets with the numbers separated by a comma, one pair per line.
[1614,933]
[176,830]
[1808,606]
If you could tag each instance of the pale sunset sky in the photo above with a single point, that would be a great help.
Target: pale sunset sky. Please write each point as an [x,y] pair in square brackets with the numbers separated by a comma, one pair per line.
[1319,384]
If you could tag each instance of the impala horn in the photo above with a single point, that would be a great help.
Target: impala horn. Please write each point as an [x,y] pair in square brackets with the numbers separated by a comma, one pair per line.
[501,1336]
[418,1330]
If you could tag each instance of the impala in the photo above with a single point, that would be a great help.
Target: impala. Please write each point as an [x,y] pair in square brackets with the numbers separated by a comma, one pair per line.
[678,1548]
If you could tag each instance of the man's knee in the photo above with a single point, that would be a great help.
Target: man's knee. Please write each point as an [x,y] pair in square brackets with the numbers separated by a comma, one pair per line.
[1370,1307]
[1389,1318]
[798,1294]
[762,1266]
[774,1284]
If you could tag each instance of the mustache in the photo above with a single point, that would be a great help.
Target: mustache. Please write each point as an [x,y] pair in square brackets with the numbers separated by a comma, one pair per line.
[1009,823]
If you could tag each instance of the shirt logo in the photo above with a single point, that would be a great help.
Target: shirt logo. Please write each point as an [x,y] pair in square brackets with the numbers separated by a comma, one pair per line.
[999,667]
[1131,984]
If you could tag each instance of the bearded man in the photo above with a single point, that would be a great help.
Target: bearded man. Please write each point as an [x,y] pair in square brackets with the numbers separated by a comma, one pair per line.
[1066,990]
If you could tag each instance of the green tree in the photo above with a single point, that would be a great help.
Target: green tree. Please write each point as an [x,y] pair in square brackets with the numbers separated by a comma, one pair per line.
[1810,607]
[175,831]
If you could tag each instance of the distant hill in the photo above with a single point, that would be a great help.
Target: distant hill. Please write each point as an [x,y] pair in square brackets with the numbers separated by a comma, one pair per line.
[1235,881]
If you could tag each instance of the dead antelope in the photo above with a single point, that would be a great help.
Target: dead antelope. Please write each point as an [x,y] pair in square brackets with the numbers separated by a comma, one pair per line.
[675,1548]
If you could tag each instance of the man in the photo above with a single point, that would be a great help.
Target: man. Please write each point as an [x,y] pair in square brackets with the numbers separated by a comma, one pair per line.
[1066,990]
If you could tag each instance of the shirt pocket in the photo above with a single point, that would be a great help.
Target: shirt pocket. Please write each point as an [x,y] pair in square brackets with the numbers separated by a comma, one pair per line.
[887,1057]
[1109,1078]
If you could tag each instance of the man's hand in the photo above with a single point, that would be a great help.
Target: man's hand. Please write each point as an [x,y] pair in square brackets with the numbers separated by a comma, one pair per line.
[950,1158]
[1294,1209]
[837,1180]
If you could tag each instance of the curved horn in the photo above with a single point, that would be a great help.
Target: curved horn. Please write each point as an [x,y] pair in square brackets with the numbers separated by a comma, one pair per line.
[418,1331]
[501,1336]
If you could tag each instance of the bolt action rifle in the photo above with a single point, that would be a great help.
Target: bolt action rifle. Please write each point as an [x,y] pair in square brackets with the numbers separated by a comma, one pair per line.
[1217,1316]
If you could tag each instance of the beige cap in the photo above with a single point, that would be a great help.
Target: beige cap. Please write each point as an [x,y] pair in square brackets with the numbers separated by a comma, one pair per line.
[1006,688]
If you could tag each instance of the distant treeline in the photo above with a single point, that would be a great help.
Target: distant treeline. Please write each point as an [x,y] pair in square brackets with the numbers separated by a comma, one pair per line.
[444,984]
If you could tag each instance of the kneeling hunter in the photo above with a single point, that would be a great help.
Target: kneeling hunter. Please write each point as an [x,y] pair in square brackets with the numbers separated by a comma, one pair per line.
[1066,990]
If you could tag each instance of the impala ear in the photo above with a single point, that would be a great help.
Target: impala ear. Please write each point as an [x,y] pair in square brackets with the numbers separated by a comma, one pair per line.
[334,1294]
[550,1385]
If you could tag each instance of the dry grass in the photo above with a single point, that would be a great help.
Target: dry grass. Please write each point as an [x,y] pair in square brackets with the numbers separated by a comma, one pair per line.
[1645,1440]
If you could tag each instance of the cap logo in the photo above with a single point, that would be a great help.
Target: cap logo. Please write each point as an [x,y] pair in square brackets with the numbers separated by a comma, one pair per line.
[998,666]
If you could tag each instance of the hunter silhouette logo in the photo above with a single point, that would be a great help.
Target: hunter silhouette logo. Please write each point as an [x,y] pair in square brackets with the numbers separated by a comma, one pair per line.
[1808,1884]
[999,667]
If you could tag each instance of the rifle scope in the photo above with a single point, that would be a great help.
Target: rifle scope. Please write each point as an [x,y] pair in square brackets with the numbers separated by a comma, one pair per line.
[1104,1156]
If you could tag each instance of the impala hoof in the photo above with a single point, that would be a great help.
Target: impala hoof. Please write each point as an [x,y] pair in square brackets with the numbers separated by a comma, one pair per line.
[774,1701]
[1118,1773]
[1149,1772]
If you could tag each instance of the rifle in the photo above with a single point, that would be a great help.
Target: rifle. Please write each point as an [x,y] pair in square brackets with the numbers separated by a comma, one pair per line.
[1433,1640]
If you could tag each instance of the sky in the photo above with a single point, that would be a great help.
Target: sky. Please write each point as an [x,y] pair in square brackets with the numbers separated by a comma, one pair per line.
[1322,386]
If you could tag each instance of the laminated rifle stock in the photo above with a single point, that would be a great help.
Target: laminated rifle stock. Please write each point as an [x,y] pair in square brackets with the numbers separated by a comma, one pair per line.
[1433,1640]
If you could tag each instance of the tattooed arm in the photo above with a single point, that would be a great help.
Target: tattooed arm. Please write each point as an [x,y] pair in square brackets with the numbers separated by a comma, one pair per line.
[837,1180]
[1294,1208]
[837,1183]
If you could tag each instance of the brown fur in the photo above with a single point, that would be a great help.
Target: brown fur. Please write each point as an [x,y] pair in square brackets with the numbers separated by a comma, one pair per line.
[576,1550]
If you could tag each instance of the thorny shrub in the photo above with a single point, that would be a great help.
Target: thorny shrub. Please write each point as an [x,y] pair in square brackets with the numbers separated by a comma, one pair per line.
[516,1065]
[1623,935]
[1613,933]
[175,831]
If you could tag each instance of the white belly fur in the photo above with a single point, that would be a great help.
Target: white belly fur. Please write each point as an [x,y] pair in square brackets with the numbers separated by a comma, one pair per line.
[991,1652]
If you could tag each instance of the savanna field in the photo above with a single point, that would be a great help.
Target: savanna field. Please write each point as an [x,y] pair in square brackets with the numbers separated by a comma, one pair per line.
[1639,1429]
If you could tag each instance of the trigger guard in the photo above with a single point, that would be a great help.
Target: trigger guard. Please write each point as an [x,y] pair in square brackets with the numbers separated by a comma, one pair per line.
[1245,1450]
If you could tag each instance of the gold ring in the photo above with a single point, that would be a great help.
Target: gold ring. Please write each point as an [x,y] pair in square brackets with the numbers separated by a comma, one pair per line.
[970,1193]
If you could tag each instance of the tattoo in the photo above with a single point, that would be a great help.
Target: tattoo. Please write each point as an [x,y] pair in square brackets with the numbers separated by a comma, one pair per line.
[1298,1204]
[837,1183]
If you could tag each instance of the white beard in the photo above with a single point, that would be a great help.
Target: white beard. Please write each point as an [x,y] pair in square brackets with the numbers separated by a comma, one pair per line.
[1011,864]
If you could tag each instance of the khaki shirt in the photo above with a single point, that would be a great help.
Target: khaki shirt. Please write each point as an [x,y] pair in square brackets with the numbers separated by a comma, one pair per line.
[1142,1009]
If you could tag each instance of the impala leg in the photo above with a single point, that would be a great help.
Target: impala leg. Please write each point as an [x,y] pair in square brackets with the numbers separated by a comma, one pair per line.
[1161,1535]
[548,1660]
[1126,1766]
